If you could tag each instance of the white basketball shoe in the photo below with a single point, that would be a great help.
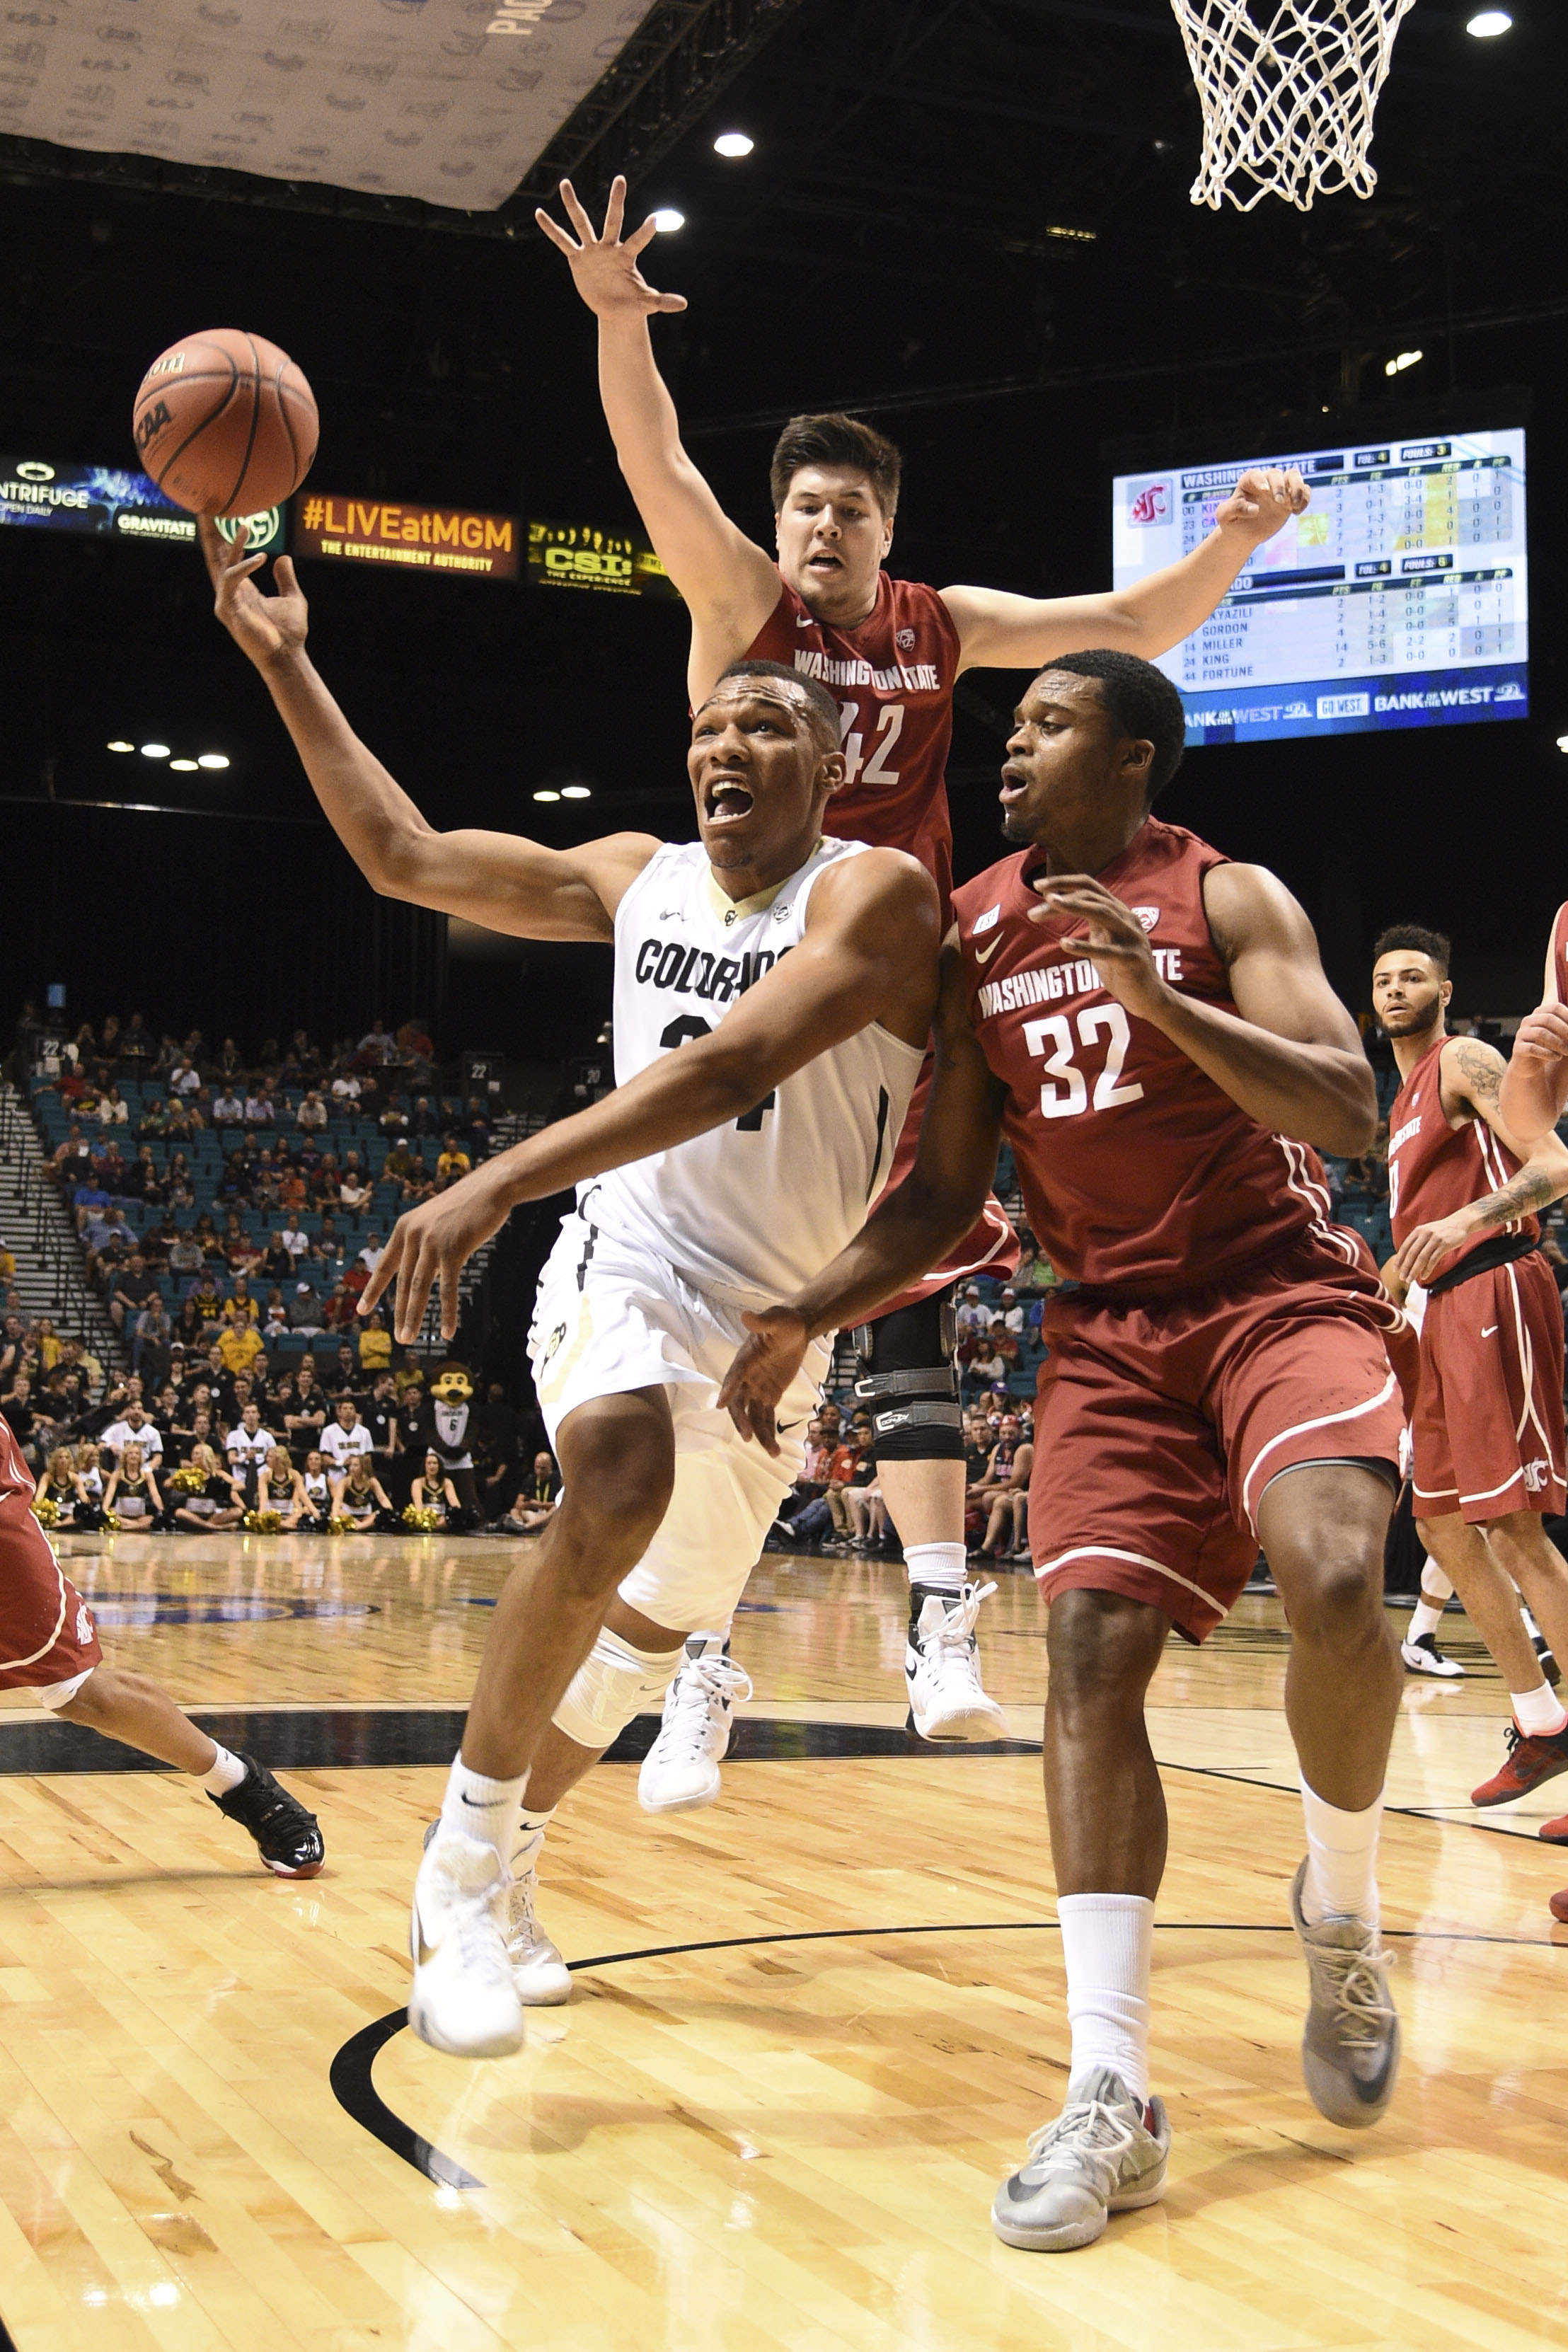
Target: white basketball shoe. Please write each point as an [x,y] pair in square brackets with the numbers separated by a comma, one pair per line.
[464,2000]
[941,1667]
[540,1974]
[681,1770]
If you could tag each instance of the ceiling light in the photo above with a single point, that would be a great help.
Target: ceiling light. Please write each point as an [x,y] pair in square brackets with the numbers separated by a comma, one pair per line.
[154,750]
[1490,23]
[666,218]
[213,760]
[733,142]
[185,767]
[576,793]
[547,796]
[122,747]
[1404,359]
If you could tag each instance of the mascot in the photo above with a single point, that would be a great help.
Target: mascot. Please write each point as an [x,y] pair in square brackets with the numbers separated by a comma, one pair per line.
[445,1423]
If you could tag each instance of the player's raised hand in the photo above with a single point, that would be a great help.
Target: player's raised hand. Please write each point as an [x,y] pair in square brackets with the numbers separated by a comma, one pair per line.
[265,627]
[1117,945]
[604,268]
[1265,497]
[429,1248]
[762,1370]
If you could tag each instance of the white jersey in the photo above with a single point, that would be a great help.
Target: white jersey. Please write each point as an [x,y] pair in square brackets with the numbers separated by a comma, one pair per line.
[758,1206]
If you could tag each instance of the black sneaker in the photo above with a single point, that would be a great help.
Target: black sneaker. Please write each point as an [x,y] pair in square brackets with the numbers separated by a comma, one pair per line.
[287,1836]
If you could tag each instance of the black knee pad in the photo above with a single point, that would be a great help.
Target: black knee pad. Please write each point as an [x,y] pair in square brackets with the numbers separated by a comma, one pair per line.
[908,1383]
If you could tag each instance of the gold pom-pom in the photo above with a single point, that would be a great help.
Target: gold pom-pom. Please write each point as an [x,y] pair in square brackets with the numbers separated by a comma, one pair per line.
[263,1523]
[421,1518]
[340,1526]
[45,1510]
[189,1480]
[111,1522]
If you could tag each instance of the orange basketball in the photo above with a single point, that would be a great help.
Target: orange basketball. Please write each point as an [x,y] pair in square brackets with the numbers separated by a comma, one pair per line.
[226,424]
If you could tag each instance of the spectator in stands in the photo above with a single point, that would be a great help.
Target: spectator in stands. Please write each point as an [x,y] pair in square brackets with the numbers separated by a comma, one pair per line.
[393,1120]
[974,1315]
[129,1292]
[70,1161]
[109,1242]
[306,1310]
[239,1342]
[28,1425]
[274,1317]
[186,1120]
[985,1368]
[422,1119]
[452,1161]
[8,1265]
[132,1492]
[150,1341]
[475,1132]
[206,1296]
[113,1110]
[378,1046]
[89,1199]
[137,1046]
[374,1341]
[346,1090]
[259,1113]
[308,1417]
[533,1505]
[1010,1313]
[186,1082]
[1004,1492]
[154,1120]
[312,1115]
[354,1188]
[401,1167]
[379,1418]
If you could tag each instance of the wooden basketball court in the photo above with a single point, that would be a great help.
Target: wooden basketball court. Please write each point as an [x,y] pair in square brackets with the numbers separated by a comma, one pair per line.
[810,2026]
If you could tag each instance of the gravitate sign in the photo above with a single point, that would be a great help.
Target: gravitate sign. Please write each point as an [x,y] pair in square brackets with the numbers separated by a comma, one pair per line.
[411,539]
[582,555]
[107,503]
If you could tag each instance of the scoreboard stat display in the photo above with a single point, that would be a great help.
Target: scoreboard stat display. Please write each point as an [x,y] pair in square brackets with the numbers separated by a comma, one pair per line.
[1399,598]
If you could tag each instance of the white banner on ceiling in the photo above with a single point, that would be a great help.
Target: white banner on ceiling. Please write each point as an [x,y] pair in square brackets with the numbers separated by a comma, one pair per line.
[448,99]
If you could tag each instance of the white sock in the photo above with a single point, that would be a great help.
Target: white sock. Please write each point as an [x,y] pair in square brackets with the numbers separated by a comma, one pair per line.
[224,1773]
[721,1638]
[1424,1618]
[478,1808]
[1435,1585]
[1538,1713]
[1341,1860]
[1108,1944]
[940,1567]
[528,1838]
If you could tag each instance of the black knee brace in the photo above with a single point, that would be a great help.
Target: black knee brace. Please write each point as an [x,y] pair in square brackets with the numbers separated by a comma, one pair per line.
[909,1384]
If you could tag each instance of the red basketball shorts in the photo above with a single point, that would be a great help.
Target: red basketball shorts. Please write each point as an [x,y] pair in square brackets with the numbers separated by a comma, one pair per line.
[992,1248]
[1487,1436]
[1158,1427]
[46,1633]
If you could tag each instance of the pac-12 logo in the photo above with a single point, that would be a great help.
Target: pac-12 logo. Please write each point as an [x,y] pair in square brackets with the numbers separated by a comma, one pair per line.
[1150,503]
[905,640]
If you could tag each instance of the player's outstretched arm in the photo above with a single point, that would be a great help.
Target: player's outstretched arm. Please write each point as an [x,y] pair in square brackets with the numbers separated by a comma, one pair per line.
[1535,1092]
[999,631]
[499,879]
[903,1238]
[729,583]
[869,953]
[1472,1075]
[1289,1055]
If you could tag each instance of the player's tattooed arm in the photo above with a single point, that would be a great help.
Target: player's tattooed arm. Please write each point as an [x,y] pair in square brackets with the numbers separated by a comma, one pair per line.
[1472,1074]
[907,1233]
[500,880]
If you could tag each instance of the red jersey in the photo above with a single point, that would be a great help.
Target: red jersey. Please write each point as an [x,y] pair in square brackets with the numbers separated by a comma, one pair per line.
[15,1478]
[893,677]
[1560,953]
[1434,1169]
[1139,1175]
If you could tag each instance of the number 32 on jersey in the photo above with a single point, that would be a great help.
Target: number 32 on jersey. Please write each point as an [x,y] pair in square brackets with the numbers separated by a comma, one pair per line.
[1064,1087]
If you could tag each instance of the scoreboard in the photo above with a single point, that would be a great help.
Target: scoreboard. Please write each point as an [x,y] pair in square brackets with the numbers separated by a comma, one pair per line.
[1399,598]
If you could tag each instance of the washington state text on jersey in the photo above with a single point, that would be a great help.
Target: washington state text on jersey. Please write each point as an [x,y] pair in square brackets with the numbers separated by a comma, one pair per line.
[1048,983]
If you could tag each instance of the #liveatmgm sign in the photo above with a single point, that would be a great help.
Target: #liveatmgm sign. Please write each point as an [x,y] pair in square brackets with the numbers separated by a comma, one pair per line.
[411,539]
[583,555]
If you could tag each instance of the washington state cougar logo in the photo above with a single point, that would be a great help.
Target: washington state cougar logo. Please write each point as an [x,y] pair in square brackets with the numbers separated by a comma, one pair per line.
[1536,1476]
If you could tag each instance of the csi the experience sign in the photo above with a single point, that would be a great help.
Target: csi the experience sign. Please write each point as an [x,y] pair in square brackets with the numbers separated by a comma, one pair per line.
[582,555]
[106,502]
[416,538]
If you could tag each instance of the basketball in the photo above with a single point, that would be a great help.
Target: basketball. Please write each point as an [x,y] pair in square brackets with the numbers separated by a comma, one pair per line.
[225,423]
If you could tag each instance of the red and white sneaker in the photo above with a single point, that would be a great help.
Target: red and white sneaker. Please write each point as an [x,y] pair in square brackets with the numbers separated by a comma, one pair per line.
[1533,1758]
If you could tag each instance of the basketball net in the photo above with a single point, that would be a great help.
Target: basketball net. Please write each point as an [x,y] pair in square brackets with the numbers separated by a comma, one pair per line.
[1287,88]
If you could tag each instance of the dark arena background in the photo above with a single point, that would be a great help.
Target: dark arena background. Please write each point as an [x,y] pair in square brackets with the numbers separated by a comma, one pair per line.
[809,2029]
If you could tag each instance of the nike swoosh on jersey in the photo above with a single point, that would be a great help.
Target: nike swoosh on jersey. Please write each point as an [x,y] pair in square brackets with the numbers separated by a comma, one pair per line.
[1488,1330]
[984,954]
[805,620]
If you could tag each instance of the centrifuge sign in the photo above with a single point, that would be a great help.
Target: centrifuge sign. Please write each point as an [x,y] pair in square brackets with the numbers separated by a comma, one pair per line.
[109,502]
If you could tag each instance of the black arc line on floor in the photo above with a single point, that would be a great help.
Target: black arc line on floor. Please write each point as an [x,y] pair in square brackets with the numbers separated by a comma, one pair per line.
[355,2091]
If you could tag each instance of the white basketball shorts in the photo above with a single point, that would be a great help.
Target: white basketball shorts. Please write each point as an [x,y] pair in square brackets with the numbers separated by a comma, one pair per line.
[611,1316]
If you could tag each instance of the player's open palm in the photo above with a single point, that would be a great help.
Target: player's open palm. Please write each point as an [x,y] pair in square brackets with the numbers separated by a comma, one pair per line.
[1116,942]
[262,626]
[1262,501]
[604,267]
[762,1372]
